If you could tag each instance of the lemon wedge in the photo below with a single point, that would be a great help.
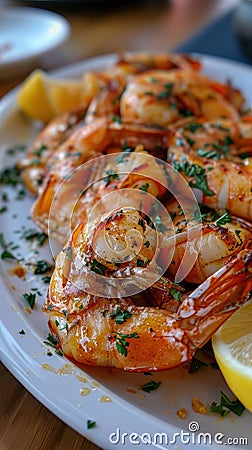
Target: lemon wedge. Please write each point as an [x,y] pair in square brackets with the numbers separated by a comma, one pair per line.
[232,345]
[42,97]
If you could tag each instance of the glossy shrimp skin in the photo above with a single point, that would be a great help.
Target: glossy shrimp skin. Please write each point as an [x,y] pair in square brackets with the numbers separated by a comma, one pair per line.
[100,137]
[151,338]
[34,166]
[213,166]
[218,237]
[160,97]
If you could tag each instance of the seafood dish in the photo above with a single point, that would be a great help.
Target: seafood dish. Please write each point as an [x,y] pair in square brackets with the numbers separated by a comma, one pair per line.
[146,187]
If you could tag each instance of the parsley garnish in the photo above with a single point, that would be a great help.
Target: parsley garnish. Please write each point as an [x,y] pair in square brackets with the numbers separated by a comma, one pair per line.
[31,234]
[225,218]
[42,267]
[192,127]
[175,294]
[196,171]
[144,187]
[30,298]
[141,263]
[167,92]
[116,119]
[150,386]
[111,175]
[68,251]
[91,424]
[125,152]
[53,343]
[238,233]
[16,148]
[6,254]
[210,154]
[120,316]
[97,267]
[38,151]
[159,224]
[46,280]
[226,405]
[122,344]
[11,176]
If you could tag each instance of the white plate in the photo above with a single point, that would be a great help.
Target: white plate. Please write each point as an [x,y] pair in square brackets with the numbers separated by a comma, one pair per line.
[27,34]
[130,410]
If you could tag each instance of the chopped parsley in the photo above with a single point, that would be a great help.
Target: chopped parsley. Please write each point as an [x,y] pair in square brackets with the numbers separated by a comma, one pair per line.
[111,175]
[116,119]
[30,298]
[11,176]
[68,251]
[194,126]
[125,152]
[159,224]
[225,218]
[16,148]
[120,316]
[41,267]
[238,234]
[141,263]
[32,234]
[122,344]
[53,343]
[91,424]
[38,151]
[97,267]
[144,187]
[6,254]
[195,171]
[150,386]
[46,280]
[226,405]
[167,92]
[175,294]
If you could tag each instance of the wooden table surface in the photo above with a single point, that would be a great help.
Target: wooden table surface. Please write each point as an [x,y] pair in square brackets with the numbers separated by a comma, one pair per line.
[151,25]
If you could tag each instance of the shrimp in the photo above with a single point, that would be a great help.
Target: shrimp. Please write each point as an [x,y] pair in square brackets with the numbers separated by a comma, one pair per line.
[160,97]
[99,137]
[34,166]
[215,240]
[114,332]
[139,62]
[214,166]
[107,100]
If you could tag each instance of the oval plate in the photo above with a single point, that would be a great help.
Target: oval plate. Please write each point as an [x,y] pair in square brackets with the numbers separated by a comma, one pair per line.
[125,415]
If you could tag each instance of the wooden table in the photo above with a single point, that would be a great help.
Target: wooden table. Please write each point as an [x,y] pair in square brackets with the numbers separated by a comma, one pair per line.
[153,25]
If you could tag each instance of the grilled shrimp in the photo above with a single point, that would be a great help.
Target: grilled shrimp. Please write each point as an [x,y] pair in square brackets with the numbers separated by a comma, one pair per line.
[115,332]
[161,98]
[99,137]
[216,168]
[107,100]
[34,165]
[214,241]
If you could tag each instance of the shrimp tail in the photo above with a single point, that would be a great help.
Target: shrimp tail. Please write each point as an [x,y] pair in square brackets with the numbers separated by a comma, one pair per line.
[211,304]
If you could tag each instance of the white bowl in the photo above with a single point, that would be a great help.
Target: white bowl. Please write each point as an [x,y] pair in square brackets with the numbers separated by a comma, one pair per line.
[27,34]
